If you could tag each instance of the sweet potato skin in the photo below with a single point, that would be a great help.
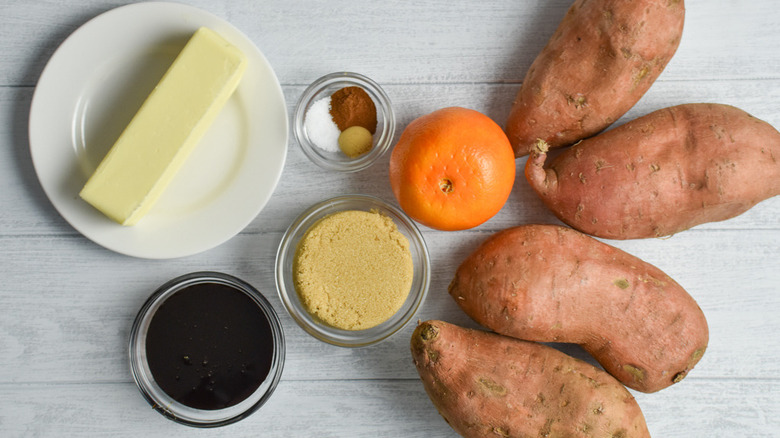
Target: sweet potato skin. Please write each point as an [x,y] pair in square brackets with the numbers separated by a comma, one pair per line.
[550,283]
[485,384]
[603,57]
[662,173]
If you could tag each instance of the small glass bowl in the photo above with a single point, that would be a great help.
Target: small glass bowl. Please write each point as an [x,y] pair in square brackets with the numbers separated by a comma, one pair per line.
[322,331]
[326,86]
[165,404]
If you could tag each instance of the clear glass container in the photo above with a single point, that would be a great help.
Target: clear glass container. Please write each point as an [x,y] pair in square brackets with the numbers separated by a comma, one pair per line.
[338,161]
[164,403]
[322,331]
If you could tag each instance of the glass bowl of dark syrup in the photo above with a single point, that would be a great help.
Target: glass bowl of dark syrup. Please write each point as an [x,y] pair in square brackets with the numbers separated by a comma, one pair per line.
[206,349]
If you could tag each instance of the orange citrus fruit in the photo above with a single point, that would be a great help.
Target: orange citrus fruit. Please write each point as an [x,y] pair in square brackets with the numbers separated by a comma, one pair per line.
[452,169]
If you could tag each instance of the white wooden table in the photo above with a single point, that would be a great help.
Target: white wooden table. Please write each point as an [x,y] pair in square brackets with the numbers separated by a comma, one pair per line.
[67,304]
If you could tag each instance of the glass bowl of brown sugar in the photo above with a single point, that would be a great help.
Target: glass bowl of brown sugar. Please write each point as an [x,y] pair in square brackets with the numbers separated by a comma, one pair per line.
[344,122]
[352,270]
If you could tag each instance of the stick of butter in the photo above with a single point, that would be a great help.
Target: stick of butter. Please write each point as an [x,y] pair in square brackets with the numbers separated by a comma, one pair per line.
[163,132]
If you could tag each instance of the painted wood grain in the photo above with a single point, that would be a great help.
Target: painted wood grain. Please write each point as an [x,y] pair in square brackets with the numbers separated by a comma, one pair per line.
[27,210]
[419,42]
[68,318]
[66,304]
[379,408]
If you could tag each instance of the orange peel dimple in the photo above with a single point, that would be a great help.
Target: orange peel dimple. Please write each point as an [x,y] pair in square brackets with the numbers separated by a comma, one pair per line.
[445,184]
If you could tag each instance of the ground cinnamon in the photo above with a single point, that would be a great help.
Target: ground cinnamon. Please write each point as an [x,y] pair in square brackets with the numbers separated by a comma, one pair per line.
[352,106]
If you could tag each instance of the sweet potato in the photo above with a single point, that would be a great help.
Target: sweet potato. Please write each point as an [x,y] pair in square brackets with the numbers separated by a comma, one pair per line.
[486,385]
[550,283]
[603,57]
[662,173]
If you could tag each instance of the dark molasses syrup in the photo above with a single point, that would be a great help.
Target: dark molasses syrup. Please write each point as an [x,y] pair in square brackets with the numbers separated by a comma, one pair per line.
[209,346]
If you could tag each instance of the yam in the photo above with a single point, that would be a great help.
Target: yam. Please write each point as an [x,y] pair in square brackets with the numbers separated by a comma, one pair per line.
[662,173]
[603,57]
[549,283]
[489,385]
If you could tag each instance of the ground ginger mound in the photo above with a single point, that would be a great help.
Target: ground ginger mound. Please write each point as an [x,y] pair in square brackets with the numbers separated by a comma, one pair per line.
[353,269]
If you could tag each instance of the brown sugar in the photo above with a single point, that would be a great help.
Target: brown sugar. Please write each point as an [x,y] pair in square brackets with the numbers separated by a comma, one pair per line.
[353,269]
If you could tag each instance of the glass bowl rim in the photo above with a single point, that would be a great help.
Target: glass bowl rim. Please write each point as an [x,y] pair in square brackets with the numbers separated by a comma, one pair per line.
[352,338]
[181,413]
[384,105]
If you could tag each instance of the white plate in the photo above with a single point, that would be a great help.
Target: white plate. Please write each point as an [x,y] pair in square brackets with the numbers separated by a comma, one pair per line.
[90,89]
